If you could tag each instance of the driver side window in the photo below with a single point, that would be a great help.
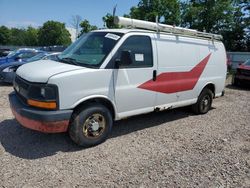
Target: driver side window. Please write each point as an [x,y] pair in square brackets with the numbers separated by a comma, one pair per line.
[140,48]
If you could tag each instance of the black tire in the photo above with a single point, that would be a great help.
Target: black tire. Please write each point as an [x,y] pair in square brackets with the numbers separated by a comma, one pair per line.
[81,129]
[204,102]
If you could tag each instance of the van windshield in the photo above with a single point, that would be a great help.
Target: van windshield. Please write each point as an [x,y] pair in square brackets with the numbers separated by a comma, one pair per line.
[91,49]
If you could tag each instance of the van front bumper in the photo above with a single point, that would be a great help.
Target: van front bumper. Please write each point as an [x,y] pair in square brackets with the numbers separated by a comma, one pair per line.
[39,120]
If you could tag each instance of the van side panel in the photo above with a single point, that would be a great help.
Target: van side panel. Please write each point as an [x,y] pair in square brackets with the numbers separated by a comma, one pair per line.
[185,66]
[215,71]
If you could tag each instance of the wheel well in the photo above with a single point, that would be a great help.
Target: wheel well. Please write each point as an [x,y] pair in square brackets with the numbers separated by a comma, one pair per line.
[103,101]
[211,87]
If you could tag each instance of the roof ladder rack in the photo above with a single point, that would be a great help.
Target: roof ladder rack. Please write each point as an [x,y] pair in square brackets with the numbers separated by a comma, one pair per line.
[140,24]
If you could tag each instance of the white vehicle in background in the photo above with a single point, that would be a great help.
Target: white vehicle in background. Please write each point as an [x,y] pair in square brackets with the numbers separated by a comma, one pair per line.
[112,74]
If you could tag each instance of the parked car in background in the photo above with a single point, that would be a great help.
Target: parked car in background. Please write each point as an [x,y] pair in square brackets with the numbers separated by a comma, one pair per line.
[8,70]
[19,55]
[4,52]
[242,74]
[229,64]
[53,48]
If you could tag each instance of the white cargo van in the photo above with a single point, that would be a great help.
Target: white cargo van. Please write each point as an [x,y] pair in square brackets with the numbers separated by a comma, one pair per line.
[111,74]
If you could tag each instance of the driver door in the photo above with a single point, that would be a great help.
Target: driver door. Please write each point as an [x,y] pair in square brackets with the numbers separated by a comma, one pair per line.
[130,99]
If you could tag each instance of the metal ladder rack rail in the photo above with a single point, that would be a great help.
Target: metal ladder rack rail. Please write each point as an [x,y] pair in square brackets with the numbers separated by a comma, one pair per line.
[140,24]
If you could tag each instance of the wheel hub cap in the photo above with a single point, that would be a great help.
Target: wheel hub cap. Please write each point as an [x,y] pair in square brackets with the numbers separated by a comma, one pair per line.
[94,125]
[205,102]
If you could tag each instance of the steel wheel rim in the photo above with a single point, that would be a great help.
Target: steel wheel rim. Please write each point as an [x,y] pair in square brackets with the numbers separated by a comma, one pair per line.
[94,126]
[205,103]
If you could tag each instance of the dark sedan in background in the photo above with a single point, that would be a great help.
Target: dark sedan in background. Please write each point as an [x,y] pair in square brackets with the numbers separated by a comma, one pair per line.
[242,74]
[7,70]
[4,52]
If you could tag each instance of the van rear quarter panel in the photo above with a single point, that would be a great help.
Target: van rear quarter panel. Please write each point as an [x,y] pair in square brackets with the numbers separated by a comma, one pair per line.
[216,69]
[182,54]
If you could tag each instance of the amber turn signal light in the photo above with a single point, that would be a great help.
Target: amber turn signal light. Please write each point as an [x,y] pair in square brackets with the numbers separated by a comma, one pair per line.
[40,104]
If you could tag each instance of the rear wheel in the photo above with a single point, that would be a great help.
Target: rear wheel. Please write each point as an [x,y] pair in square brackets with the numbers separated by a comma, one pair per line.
[90,125]
[204,102]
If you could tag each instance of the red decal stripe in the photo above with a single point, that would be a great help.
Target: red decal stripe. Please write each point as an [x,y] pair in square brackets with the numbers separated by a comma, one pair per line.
[172,82]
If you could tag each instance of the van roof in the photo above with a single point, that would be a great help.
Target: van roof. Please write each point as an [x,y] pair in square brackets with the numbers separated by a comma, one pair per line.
[128,30]
[124,30]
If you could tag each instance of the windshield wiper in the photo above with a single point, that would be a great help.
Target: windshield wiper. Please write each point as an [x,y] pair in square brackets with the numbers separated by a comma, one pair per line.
[71,61]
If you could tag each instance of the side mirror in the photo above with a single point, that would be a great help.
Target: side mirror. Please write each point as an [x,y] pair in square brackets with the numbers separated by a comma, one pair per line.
[125,60]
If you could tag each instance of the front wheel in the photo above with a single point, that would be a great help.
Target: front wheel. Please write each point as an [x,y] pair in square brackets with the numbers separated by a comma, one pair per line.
[90,125]
[204,102]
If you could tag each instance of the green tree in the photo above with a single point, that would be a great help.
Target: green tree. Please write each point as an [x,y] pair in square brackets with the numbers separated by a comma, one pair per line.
[87,27]
[31,36]
[225,17]
[5,35]
[17,37]
[245,7]
[208,15]
[53,33]
[108,20]
[234,36]
[168,11]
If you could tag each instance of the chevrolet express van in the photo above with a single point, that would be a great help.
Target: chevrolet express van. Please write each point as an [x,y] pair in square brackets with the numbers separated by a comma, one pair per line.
[112,74]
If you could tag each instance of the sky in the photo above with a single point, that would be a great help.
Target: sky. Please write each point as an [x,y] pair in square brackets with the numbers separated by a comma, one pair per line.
[23,13]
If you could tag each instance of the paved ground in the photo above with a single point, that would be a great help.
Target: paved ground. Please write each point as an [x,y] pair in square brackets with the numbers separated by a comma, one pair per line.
[167,149]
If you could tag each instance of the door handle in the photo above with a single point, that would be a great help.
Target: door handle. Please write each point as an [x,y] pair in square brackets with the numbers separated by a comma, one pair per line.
[154,75]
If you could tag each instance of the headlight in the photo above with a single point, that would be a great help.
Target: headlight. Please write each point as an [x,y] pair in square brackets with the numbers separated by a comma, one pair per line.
[43,96]
[10,69]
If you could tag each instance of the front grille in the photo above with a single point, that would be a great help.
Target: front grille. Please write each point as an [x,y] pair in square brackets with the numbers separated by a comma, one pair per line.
[21,87]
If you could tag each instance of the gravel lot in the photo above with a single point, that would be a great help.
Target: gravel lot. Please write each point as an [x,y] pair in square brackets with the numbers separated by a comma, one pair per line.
[166,149]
